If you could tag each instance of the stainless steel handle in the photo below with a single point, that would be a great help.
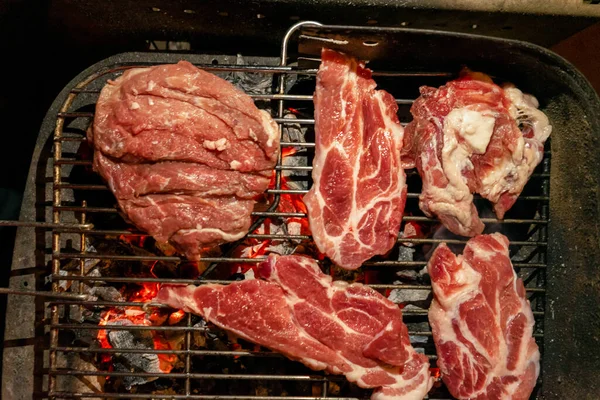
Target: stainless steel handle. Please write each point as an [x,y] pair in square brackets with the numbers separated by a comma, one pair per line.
[48,225]
[63,296]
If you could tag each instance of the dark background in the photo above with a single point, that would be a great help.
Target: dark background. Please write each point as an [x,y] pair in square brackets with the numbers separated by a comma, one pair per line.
[44,44]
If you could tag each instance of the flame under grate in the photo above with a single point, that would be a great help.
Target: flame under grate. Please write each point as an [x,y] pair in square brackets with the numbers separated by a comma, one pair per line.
[115,347]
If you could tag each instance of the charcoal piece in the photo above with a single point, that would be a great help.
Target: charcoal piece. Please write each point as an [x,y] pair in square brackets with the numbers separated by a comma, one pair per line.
[107,293]
[128,362]
[412,299]
[251,83]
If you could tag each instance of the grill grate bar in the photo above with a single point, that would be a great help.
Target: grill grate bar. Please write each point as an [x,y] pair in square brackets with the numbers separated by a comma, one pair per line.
[143,305]
[112,279]
[65,185]
[191,397]
[176,375]
[81,186]
[100,256]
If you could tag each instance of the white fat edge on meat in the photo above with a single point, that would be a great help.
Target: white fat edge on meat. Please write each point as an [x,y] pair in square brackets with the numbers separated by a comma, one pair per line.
[476,128]
[417,393]
[514,173]
[332,287]
[455,199]
[525,110]
[270,128]
[235,164]
[292,299]
[331,242]
[226,236]
[467,277]
[358,372]
[219,144]
[512,176]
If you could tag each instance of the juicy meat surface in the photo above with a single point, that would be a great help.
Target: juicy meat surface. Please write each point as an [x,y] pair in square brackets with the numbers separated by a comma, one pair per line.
[356,203]
[297,310]
[482,322]
[472,136]
[184,152]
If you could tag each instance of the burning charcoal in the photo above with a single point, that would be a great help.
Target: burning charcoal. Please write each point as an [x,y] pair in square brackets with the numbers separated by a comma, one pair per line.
[107,293]
[293,132]
[134,362]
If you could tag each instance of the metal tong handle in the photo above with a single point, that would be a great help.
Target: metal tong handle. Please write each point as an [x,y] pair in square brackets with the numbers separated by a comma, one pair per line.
[48,225]
[63,296]
[70,296]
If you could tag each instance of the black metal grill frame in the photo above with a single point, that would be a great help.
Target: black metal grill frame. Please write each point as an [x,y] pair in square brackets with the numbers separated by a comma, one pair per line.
[536,265]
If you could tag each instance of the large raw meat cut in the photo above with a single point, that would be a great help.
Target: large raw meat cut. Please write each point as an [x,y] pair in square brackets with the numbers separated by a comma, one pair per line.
[297,310]
[184,152]
[356,203]
[482,322]
[472,136]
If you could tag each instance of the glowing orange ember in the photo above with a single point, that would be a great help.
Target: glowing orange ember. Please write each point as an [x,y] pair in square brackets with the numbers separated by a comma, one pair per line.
[134,240]
[138,316]
[175,317]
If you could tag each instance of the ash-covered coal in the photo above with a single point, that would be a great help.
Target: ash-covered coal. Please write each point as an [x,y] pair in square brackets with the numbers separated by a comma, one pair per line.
[133,362]
[413,299]
[251,83]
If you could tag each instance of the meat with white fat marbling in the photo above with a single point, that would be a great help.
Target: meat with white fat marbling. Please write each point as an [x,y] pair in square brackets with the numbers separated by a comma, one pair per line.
[299,311]
[356,203]
[472,136]
[482,322]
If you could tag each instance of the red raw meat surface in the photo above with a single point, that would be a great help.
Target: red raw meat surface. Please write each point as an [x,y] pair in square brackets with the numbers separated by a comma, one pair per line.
[482,322]
[297,310]
[356,203]
[184,152]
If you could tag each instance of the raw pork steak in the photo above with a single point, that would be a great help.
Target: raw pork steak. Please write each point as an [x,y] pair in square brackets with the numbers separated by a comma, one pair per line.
[482,322]
[356,203]
[184,152]
[297,310]
[465,139]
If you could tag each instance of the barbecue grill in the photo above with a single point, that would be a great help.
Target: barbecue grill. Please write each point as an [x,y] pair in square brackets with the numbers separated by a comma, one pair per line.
[51,344]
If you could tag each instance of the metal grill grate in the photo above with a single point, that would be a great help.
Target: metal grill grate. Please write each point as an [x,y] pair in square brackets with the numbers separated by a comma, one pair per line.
[194,379]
